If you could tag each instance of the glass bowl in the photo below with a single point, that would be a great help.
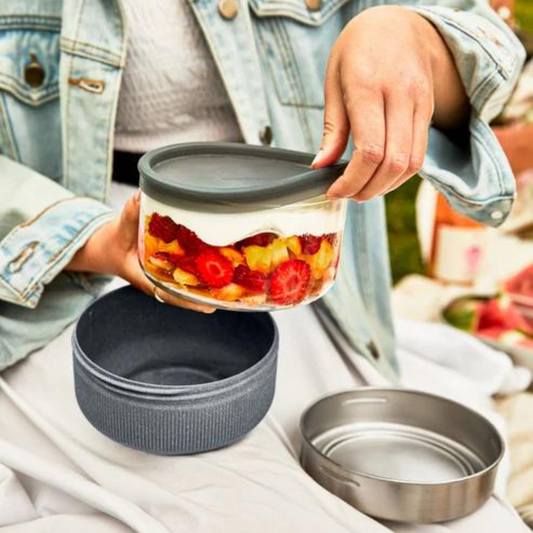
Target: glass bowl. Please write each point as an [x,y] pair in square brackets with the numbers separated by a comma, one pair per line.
[247,237]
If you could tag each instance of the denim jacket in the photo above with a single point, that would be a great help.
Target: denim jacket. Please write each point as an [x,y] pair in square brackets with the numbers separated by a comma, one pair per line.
[56,141]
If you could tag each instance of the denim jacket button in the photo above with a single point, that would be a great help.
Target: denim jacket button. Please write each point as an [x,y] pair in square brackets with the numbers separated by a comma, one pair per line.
[265,135]
[34,72]
[228,9]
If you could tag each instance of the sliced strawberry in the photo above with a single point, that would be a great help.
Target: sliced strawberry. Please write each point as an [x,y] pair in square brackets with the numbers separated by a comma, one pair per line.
[191,243]
[162,227]
[188,263]
[261,239]
[331,238]
[214,269]
[310,244]
[289,282]
[252,280]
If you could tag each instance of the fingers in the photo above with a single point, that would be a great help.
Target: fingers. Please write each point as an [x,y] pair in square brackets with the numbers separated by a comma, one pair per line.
[336,126]
[399,135]
[366,112]
[130,269]
[167,298]
[390,132]
[132,272]
[132,207]
[129,219]
[421,120]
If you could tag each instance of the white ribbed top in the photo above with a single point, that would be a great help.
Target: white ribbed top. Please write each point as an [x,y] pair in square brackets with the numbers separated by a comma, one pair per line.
[171,89]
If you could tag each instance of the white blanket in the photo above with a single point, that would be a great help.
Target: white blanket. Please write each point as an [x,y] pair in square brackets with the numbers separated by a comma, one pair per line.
[60,475]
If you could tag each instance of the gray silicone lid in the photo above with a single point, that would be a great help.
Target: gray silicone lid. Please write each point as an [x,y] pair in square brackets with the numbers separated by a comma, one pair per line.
[233,173]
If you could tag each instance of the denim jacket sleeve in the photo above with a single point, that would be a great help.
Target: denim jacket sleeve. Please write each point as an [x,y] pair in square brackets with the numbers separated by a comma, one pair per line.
[475,176]
[42,225]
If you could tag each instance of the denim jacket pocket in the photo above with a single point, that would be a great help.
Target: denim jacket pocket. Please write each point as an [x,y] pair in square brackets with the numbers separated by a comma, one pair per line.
[29,92]
[294,42]
[297,10]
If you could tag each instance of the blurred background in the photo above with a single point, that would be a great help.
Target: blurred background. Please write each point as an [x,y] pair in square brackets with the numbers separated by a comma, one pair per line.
[439,257]
[449,269]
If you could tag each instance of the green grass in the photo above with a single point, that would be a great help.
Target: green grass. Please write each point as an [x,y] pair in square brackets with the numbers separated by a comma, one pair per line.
[401,224]
[524,14]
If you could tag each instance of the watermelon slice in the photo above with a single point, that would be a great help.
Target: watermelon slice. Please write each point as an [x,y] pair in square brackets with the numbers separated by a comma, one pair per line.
[502,313]
[521,285]
[464,314]
[495,333]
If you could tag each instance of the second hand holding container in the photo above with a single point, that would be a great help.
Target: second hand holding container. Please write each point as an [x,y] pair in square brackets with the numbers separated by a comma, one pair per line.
[239,227]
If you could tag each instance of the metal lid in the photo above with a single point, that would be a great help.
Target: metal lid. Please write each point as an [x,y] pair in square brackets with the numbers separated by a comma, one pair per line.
[233,173]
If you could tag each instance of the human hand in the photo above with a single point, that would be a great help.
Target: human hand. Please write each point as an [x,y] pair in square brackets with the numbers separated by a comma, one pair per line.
[389,74]
[112,249]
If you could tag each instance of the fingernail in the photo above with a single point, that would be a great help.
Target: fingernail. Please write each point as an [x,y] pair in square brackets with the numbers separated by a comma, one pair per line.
[318,157]
[138,195]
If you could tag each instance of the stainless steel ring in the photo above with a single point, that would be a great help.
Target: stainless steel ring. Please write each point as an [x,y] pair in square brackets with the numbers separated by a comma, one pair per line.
[157,297]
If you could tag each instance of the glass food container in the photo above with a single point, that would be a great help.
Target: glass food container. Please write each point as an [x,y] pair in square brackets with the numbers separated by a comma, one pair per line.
[239,227]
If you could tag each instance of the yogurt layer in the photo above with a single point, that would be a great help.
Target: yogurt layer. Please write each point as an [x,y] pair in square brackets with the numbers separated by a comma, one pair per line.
[221,229]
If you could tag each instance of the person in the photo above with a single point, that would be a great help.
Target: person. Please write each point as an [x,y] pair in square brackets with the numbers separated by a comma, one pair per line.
[88,86]
[414,85]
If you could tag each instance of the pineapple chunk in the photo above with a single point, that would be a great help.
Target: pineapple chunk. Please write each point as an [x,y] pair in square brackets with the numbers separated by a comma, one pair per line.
[229,293]
[330,274]
[160,262]
[258,258]
[185,278]
[280,254]
[172,247]
[254,299]
[320,261]
[294,245]
[232,255]
[151,245]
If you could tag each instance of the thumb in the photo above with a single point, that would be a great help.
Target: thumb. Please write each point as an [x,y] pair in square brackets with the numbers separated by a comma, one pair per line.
[130,212]
[129,218]
[336,130]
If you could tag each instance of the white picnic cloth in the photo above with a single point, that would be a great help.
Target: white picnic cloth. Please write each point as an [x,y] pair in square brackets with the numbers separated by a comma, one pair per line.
[491,371]
[58,474]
